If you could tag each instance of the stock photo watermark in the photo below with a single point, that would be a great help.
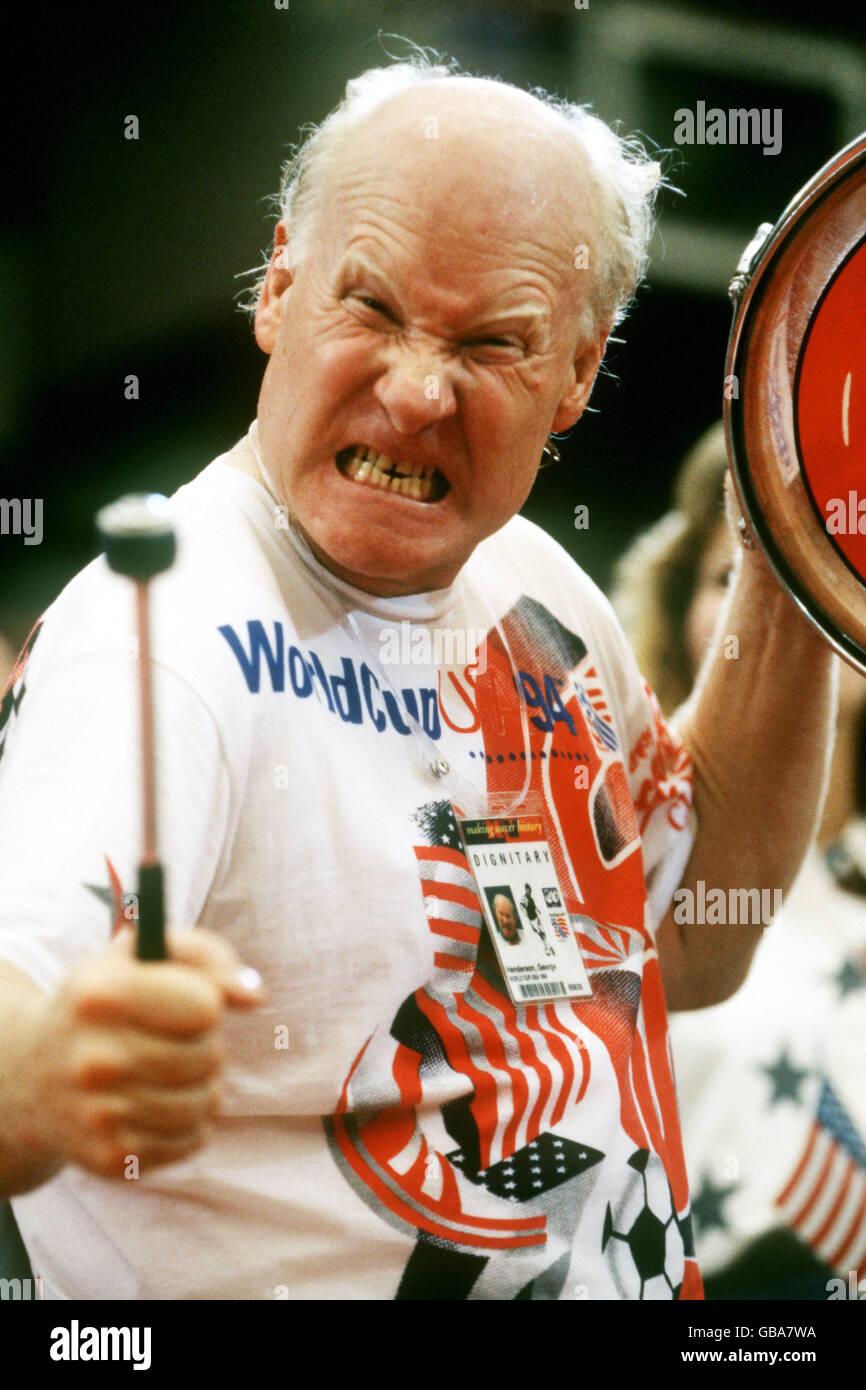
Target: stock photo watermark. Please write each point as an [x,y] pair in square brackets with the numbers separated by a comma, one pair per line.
[410,645]
[22,516]
[736,126]
[846,517]
[736,907]
[21,1290]
[77,1343]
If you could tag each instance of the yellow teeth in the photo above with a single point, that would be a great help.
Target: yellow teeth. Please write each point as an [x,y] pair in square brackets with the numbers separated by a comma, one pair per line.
[378,470]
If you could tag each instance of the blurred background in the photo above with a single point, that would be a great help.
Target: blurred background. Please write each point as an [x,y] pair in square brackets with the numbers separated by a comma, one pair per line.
[119,257]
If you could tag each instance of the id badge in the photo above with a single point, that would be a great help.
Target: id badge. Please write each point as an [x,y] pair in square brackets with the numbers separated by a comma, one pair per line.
[524,907]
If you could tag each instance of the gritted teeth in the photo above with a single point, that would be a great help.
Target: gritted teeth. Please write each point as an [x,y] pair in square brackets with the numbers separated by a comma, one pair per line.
[365,465]
[385,464]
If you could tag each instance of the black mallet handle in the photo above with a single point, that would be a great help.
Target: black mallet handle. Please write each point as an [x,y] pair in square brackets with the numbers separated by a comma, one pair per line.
[139,542]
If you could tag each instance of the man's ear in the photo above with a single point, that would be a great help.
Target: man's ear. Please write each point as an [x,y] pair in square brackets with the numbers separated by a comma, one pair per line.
[269,310]
[584,371]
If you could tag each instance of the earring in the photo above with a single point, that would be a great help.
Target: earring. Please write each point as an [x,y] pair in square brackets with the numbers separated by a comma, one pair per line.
[550,454]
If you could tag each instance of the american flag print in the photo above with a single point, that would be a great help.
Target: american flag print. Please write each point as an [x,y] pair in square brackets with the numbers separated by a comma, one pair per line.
[492,1133]
[824,1200]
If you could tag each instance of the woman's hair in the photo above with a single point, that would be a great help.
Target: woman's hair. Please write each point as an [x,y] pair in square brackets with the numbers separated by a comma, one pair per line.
[655,579]
[625,178]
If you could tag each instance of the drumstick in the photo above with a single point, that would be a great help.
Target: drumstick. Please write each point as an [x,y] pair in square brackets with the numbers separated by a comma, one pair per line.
[139,542]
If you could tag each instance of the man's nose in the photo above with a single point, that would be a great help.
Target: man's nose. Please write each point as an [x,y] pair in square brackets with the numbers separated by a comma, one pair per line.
[416,388]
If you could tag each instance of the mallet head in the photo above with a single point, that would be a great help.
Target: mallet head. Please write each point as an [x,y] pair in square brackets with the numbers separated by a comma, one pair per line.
[137,534]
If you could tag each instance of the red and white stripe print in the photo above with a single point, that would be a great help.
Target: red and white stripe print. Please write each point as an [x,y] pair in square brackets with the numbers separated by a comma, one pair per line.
[825,1202]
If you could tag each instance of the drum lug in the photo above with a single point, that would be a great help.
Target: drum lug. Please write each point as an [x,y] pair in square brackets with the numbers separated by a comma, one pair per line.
[746,263]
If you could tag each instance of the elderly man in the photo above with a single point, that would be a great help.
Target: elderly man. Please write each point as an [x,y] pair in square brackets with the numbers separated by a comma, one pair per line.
[396,1117]
[506,920]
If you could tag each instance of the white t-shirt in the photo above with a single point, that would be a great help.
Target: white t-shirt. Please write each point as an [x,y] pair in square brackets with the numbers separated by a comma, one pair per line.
[394,1126]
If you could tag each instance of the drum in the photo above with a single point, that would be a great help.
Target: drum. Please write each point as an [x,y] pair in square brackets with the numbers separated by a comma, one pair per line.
[795,397]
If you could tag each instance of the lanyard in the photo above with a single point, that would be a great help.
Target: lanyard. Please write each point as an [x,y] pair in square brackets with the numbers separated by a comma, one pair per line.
[471,800]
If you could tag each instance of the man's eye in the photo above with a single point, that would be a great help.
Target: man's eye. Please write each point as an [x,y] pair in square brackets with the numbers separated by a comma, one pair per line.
[376,306]
[498,347]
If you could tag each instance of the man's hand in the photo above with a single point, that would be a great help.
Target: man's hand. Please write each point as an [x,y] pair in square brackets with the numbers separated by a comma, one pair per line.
[124,1061]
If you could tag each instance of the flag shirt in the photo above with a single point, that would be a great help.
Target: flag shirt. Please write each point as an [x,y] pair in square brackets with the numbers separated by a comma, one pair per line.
[791,1153]
[394,1127]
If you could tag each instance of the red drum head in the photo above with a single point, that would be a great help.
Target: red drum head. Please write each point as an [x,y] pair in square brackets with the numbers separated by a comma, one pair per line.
[795,398]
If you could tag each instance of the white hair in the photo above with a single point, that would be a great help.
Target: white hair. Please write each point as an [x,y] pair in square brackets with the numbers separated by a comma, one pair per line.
[625,180]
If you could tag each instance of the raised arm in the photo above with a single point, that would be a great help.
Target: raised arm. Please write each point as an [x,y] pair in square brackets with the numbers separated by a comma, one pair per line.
[759,729]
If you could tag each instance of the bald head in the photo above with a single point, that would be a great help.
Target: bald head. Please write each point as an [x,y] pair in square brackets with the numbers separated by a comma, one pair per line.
[467,163]
[550,156]
[489,145]
[505,918]
[471,159]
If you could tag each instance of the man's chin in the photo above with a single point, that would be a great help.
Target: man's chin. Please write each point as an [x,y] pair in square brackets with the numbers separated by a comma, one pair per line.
[388,572]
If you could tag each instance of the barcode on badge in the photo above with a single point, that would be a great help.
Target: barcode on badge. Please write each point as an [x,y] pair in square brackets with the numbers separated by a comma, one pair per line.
[542,991]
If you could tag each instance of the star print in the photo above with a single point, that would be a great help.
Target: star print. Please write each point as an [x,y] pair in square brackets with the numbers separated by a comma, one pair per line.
[707,1206]
[844,867]
[542,1165]
[437,823]
[848,979]
[104,895]
[786,1078]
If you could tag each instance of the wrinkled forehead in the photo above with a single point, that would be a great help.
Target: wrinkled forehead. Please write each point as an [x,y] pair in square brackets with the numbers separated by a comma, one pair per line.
[473,168]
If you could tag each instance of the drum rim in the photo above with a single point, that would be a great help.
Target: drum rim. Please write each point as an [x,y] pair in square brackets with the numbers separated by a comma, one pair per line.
[852,251]
[809,197]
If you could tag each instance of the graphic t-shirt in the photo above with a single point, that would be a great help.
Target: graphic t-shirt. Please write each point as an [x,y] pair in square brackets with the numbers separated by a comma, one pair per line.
[772,1100]
[394,1125]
